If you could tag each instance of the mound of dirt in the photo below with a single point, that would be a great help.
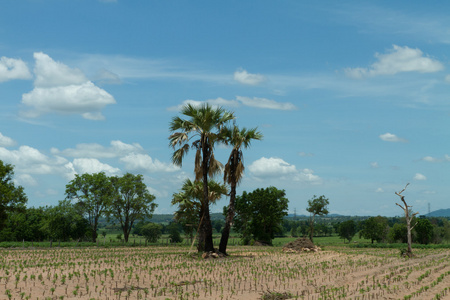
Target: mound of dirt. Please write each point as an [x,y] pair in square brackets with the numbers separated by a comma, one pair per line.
[300,245]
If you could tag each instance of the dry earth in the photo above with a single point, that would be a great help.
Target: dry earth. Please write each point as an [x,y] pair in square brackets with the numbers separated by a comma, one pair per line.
[248,273]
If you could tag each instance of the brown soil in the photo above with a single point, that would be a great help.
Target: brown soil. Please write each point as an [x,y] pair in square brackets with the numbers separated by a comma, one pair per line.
[247,273]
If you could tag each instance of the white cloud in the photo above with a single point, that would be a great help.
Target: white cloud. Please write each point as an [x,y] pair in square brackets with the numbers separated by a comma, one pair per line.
[6,141]
[25,155]
[85,99]
[26,179]
[399,59]
[271,167]
[28,160]
[374,165]
[277,168]
[107,77]
[242,76]
[92,165]
[419,176]
[50,73]
[117,149]
[430,159]
[143,162]
[379,190]
[435,159]
[307,175]
[60,89]
[265,103]
[389,137]
[11,68]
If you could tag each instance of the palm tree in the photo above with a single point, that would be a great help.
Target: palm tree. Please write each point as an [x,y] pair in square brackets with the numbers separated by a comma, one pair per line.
[234,169]
[204,123]
[190,199]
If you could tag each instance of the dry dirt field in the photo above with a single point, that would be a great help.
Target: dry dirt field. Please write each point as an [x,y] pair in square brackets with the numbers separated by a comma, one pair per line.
[248,273]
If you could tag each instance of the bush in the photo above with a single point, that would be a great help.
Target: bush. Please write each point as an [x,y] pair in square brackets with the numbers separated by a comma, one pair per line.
[152,232]
[174,233]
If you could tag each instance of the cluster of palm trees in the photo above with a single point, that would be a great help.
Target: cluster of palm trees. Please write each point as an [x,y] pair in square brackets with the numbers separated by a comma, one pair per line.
[203,128]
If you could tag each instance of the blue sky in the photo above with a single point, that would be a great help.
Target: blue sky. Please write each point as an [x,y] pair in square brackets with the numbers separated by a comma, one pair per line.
[352,97]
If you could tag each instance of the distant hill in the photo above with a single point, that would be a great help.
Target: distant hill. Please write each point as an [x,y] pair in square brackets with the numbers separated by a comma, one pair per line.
[439,213]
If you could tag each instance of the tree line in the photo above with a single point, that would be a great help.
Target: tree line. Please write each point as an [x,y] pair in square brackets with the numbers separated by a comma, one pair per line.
[123,199]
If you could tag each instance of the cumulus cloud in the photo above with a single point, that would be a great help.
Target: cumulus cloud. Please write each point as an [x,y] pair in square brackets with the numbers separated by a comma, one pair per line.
[143,162]
[50,73]
[398,59]
[117,149]
[28,160]
[389,137]
[6,141]
[242,76]
[61,89]
[26,179]
[92,165]
[419,176]
[277,168]
[11,68]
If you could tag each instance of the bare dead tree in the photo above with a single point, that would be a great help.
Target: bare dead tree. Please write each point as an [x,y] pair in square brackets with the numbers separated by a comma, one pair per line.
[408,216]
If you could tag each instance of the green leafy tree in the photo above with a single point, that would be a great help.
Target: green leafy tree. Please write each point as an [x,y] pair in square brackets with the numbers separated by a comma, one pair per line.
[174,232]
[375,229]
[190,201]
[26,225]
[441,231]
[259,214]
[398,233]
[152,232]
[137,228]
[94,193]
[12,197]
[317,206]
[424,231]
[234,170]
[131,201]
[347,230]
[65,221]
[204,124]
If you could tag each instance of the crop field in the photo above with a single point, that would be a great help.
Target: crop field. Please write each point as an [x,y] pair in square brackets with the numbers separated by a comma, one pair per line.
[248,273]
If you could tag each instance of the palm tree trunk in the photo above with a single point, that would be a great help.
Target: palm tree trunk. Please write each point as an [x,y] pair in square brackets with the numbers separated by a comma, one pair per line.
[206,226]
[229,220]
